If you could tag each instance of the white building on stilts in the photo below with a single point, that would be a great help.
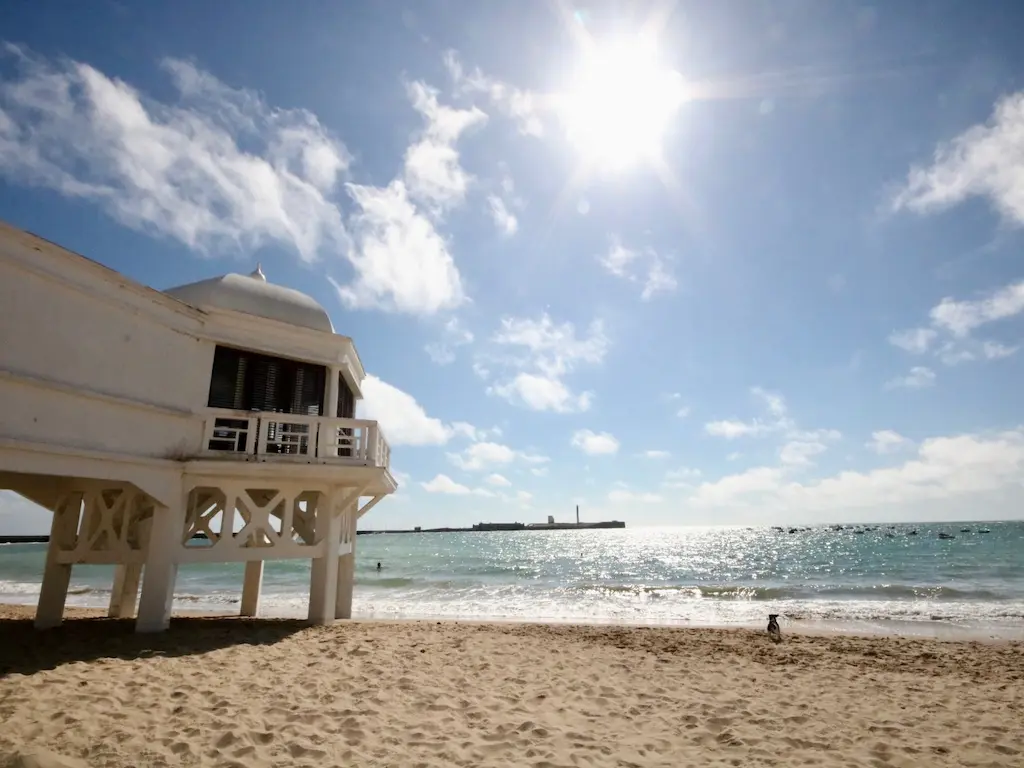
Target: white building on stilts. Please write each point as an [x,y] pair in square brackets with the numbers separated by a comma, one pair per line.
[209,423]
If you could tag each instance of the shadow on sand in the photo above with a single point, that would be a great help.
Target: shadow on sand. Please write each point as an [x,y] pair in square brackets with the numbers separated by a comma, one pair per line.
[24,649]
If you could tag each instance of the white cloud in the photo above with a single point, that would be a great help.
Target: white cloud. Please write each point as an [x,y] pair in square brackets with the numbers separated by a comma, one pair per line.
[944,470]
[657,454]
[444,484]
[956,320]
[962,317]
[776,420]
[545,353]
[453,335]
[618,259]
[403,419]
[733,428]
[542,393]
[683,412]
[474,433]
[517,104]
[219,169]
[595,443]
[644,267]
[800,452]
[915,340]
[504,220]
[484,455]
[498,480]
[215,168]
[799,447]
[983,161]
[432,171]
[887,441]
[803,445]
[402,263]
[918,378]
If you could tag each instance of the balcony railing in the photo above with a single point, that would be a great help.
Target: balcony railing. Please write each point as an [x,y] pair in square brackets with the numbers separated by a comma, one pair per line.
[261,436]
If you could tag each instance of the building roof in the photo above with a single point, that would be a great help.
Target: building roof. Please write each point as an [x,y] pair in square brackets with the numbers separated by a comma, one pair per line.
[253,295]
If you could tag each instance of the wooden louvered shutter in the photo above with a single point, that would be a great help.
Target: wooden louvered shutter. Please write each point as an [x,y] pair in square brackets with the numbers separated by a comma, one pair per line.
[346,400]
[227,381]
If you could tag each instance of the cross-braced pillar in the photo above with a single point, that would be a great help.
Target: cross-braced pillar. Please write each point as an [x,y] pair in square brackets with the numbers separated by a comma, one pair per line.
[346,565]
[57,575]
[124,596]
[323,575]
[251,588]
[162,553]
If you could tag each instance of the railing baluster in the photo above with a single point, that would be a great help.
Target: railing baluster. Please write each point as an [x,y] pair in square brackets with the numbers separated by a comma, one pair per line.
[327,439]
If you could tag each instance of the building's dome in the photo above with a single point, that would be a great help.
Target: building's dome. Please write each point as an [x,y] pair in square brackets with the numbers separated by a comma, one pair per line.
[253,295]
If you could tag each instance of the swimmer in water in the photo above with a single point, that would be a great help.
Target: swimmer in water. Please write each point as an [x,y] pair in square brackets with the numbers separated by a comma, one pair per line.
[378,565]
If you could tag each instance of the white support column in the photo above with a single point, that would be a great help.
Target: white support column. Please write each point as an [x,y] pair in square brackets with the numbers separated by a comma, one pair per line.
[323,578]
[57,576]
[162,552]
[347,566]
[331,406]
[124,596]
[251,588]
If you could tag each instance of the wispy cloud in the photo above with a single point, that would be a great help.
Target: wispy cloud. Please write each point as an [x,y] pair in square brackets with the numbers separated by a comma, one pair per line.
[487,455]
[645,268]
[594,443]
[919,377]
[453,335]
[775,420]
[503,218]
[984,161]
[402,263]
[405,421]
[951,323]
[214,168]
[887,441]
[543,354]
[943,469]
[444,484]
[433,173]
[515,103]
[217,168]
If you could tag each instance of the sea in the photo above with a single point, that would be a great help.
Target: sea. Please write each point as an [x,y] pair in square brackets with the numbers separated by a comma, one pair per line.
[890,579]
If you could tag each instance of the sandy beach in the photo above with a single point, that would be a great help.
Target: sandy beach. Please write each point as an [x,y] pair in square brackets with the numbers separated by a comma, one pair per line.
[228,692]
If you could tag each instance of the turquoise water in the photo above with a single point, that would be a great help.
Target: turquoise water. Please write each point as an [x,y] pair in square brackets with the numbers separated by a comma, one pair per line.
[697,576]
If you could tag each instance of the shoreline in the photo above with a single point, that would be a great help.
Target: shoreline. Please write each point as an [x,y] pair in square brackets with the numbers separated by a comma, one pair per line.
[269,692]
[890,629]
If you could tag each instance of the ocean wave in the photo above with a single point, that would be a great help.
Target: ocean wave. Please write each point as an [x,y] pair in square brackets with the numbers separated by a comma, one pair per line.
[804,592]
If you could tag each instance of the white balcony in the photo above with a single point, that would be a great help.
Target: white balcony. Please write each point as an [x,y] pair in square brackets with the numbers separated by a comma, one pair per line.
[273,437]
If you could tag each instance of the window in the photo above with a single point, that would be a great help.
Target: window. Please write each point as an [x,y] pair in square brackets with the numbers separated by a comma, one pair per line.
[248,381]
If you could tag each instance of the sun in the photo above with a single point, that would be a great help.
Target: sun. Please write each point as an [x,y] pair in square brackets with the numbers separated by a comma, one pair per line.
[620,103]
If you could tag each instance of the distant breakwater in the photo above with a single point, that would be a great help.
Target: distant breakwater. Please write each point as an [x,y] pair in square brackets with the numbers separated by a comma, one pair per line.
[478,528]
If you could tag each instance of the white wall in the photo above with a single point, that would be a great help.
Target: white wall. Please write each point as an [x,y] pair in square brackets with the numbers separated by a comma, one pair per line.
[61,333]
[87,362]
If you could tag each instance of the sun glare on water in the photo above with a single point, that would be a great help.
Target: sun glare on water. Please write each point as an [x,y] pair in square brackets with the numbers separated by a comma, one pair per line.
[620,103]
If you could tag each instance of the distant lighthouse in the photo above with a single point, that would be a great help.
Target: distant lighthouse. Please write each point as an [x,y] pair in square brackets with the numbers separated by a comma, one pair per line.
[577,514]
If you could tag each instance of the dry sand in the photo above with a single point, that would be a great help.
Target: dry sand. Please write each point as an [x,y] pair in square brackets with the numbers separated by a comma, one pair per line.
[272,693]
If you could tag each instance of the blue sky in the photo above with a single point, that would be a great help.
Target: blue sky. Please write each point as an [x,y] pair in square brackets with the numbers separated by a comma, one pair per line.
[677,263]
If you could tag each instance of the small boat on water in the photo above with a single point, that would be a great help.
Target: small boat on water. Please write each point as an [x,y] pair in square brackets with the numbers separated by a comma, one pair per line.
[984,530]
[944,535]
